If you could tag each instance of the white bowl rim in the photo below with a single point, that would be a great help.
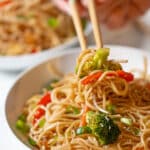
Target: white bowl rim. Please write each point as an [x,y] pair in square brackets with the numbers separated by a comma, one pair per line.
[13,61]
[62,53]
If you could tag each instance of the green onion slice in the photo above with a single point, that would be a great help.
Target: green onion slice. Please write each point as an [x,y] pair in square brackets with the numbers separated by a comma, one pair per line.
[126,121]
[53,22]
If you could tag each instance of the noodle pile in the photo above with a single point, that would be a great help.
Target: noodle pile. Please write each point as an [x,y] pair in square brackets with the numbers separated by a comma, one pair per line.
[131,101]
[29,26]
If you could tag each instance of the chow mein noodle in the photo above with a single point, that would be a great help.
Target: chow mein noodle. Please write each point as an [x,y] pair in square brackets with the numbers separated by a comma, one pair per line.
[100,107]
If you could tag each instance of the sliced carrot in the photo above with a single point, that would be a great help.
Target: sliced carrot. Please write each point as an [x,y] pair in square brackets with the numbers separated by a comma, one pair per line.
[83,118]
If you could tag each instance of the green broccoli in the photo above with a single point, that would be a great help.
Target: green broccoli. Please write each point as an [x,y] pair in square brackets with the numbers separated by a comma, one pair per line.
[103,127]
[94,63]
[112,65]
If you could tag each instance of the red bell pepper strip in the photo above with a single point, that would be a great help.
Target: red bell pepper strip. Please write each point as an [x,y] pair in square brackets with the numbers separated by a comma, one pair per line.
[125,75]
[45,99]
[40,112]
[5,2]
[83,117]
[33,51]
[92,78]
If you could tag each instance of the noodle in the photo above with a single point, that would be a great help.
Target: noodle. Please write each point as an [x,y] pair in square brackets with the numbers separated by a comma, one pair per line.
[131,101]
[31,26]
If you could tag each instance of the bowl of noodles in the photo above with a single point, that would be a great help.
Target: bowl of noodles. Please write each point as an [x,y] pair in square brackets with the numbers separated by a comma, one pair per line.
[32,31]
[99,101]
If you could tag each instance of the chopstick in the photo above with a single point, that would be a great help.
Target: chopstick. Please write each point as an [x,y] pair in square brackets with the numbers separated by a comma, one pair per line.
[78,24]
[96,26]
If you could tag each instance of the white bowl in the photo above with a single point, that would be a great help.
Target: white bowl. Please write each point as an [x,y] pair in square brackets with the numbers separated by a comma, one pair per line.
[34,79]
[17,63]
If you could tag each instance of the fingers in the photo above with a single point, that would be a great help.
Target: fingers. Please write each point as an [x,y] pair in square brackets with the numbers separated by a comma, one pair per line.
[117,17]
[114,13]
[64,6]
[134,12]
[142,5]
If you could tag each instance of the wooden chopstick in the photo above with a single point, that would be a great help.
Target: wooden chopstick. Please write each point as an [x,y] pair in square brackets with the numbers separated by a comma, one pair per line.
[78,24]
[95,23]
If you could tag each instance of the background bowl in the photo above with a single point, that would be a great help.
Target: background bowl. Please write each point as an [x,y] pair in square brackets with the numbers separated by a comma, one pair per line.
[20,62]
[34,79]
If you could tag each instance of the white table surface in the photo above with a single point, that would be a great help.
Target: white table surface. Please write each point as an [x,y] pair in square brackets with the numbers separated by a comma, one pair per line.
[128,36]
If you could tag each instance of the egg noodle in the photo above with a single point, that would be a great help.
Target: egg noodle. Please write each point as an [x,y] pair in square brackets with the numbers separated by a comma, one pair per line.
[73,96]
[29,26]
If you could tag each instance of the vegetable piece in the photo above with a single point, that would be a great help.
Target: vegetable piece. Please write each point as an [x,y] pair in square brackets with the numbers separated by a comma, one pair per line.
[92,78]
[32,142]
[83,130]
[71,109]
[55,138]
[87,67]
[111,108]
[111,65]
[94,62]
[38,114]
[125,75]
[83,118]
[34,50]
[45,99]
[49,87]
[135,131]
[5,2]
[22,117]
[100,57]
[53,22]
[21,124]
[126,121]
[102,127]
[41,123]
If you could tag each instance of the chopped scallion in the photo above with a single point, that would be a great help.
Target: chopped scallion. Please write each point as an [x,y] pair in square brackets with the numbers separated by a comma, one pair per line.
[31,141]
[71,109]
[135,131]
[53,22]
[22,126]
[41,123]
[126,121]
[111,108]
[83,130]
[50,87]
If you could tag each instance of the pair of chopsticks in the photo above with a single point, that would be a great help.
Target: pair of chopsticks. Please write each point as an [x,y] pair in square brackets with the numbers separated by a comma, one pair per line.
[78,24]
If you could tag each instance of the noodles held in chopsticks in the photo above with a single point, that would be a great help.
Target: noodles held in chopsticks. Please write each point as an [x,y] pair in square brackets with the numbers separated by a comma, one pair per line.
[64,116]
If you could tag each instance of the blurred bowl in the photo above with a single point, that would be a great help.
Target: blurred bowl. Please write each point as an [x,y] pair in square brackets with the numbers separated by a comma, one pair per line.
[18,63]
[34,79]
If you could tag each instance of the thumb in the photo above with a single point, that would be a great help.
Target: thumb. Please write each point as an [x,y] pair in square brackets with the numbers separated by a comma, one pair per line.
[64,6]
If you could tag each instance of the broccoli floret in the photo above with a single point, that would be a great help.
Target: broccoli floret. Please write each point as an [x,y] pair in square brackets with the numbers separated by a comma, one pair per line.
[103,127]
[112,65]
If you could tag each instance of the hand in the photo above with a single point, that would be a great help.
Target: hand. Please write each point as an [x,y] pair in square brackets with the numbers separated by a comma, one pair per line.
[113,13]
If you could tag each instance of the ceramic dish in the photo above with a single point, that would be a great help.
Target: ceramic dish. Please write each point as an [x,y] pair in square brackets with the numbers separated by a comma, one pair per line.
[34,79]
[15,63]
